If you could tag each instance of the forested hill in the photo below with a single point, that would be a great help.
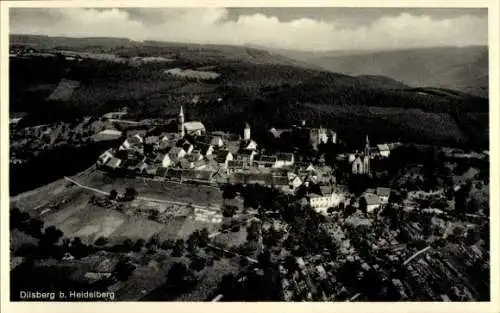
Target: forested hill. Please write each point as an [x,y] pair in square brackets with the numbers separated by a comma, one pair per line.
[460,68]
[254,85]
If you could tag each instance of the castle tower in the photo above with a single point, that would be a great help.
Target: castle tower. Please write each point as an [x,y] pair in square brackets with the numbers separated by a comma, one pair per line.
[246,132]
[181,122]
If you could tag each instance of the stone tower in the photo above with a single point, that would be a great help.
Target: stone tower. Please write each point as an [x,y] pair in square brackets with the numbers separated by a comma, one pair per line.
[246,132]
[181,122]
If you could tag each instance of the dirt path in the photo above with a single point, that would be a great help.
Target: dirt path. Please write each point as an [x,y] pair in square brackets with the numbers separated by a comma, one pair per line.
[141,198]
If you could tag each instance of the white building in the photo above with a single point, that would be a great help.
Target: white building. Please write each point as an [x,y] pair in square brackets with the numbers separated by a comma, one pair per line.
[284,159]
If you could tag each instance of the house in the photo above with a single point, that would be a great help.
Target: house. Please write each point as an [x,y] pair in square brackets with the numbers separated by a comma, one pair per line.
[222,157]
[248,144]
[372,202]
[237,164]
[383,150]
[194,128]
[294,181]
[265,161]
[176,153]
[246,155]
[107,134]
[383,193]
[113,163]
[133,142]
[105,157]
[284,159]
[166,161]
[328,198]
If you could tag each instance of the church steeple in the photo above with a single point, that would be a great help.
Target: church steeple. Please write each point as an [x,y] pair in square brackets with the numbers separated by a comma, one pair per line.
[367,145]
[181,122]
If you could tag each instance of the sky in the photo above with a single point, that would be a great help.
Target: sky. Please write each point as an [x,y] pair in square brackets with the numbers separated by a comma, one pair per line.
[312,29]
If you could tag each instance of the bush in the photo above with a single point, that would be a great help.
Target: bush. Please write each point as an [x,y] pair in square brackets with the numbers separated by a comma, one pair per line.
[113,194]
[101,241]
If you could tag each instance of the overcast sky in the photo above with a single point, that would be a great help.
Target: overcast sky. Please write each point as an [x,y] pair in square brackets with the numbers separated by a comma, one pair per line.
[290,28]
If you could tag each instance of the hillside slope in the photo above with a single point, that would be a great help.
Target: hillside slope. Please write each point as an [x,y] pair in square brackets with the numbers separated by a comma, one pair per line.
[254,85]
[464,69]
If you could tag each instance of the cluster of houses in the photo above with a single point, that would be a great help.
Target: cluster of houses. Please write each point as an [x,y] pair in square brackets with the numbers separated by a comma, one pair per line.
[193,155]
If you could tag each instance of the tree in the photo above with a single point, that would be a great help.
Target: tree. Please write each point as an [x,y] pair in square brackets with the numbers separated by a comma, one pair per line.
[51,235]
[178,248]
[138,245]
[124,269]
[228,210]
[229,192]
[198,263]
[34,228]
[130,194]
[101,241]
[112,194]
[18,218]
[363,206]
[177,274]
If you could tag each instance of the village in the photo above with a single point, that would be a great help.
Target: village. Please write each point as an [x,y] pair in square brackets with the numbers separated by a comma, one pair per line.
[192,154]
[376,231]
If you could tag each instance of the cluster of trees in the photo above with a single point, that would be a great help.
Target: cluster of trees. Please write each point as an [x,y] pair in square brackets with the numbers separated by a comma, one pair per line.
[50,165]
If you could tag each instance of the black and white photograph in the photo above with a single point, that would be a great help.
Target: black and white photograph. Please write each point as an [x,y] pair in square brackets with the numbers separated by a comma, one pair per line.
[248,154]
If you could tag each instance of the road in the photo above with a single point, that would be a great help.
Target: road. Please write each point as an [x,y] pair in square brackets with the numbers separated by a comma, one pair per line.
[416,254]
[141,198]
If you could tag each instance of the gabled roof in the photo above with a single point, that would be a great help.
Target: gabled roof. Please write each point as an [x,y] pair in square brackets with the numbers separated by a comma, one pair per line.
[114,162]
[383,191]
[194,126]
[383,147]
[371,199]
[265,159]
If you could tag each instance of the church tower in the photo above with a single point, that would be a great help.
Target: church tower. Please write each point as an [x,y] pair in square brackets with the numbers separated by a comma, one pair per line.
[367,156]
[367,146]
[246,132]
[181,122]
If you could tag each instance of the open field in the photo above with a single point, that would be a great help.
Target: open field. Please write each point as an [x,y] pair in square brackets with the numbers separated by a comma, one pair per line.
[67,207]
[169,191]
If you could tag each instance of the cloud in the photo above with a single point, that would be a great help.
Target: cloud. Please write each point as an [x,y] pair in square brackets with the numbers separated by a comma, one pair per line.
[212,25]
